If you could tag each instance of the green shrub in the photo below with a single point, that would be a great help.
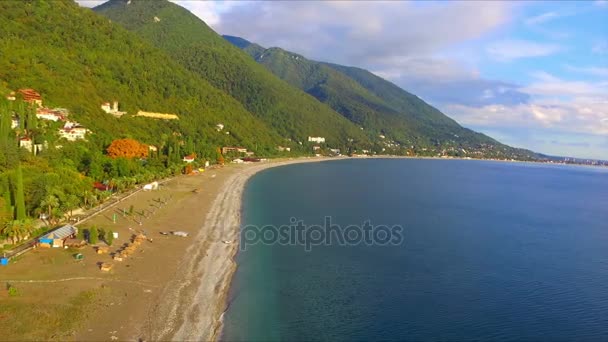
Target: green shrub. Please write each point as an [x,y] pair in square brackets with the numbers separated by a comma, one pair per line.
[93,235]
[12,291]
[109,237]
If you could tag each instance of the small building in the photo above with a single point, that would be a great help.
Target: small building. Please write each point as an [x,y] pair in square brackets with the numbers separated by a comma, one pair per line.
[318,140]
[49,114]
[152,148]
[57,237]
[31,96]
[189,158]
[283,149]
[219,127]
[73,133]
[113,110]
[335,150]
[101,187]
[227,149]
[316,148]
[11,96]
[27,144]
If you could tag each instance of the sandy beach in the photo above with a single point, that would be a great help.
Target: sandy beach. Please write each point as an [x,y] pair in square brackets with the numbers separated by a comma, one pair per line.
[171,288]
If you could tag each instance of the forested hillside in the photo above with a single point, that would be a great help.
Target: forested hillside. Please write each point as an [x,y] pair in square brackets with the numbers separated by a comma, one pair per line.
[293,113]
[66,56]
[377,105]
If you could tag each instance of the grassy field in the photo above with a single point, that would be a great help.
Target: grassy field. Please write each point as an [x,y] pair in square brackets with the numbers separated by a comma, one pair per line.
[23,317]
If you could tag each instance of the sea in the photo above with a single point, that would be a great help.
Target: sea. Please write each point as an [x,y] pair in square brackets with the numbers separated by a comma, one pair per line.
[487,251]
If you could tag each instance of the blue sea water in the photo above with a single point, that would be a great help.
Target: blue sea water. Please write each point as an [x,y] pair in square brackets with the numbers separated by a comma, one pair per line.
[491,251]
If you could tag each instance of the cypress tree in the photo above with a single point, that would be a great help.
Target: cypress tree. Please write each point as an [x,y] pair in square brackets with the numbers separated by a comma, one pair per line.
[19,196]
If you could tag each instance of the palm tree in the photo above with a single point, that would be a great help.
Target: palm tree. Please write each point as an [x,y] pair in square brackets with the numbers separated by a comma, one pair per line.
[49,203]
[89,198]
[17,230]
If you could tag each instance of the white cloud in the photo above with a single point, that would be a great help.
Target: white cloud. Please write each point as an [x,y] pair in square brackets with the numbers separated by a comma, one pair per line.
[541,18]
[548,85]
[511,49]
[589,70]
[367,34]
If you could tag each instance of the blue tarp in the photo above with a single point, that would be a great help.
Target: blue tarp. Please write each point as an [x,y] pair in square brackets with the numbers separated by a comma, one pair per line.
[49,241]
[3,261]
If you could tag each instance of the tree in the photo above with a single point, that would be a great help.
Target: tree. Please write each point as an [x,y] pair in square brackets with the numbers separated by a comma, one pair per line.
[20,213]
[109,237]
[17,230]
[50,202]
[93,235]
[5,214]
[127,148]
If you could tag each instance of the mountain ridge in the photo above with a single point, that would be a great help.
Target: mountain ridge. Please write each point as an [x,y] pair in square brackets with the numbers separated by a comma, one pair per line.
[376,104]
[173,29]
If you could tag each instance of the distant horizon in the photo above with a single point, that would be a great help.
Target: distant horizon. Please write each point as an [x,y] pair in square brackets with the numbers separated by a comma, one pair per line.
[530,75]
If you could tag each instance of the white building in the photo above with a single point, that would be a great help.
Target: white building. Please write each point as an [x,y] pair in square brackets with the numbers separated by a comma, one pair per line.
[318,140]
[27,144]
[73,133]
[283,149]
[113,110]
[219,127]
[14,122]
[49,115]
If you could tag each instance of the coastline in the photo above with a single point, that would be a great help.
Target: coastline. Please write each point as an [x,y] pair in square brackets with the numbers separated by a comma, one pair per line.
[193,310]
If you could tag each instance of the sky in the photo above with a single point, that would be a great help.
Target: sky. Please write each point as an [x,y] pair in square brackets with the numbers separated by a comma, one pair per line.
[530,74]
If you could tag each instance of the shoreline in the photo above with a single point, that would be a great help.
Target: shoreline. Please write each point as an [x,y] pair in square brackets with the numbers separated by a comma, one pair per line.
[194,310]
[183,315]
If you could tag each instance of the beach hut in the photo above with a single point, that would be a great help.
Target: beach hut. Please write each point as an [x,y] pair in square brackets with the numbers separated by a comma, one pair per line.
[57,237]
[105,267]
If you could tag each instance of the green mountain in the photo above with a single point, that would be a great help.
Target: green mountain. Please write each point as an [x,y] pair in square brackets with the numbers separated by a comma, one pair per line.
[293,113]
[77,60]
[377,105]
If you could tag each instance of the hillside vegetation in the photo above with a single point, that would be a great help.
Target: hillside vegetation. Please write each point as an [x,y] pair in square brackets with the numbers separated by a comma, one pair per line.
[76,60]
[377,105]
[293,113]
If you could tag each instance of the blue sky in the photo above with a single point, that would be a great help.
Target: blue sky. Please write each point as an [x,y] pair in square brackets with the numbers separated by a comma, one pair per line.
[531,74]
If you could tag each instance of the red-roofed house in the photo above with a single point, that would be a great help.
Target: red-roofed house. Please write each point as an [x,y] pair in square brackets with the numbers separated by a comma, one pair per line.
[31,96]
[189,159]
[49,114]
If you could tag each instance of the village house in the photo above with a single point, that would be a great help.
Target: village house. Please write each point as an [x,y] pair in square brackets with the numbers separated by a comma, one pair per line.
[283,149]
[113,110]
[318,140]
[152,148]
[316,148]
[11,96]
[31,96]
[73,133]
[227,149]
[219,127]
[49,114]
[335,150]
[26,143]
